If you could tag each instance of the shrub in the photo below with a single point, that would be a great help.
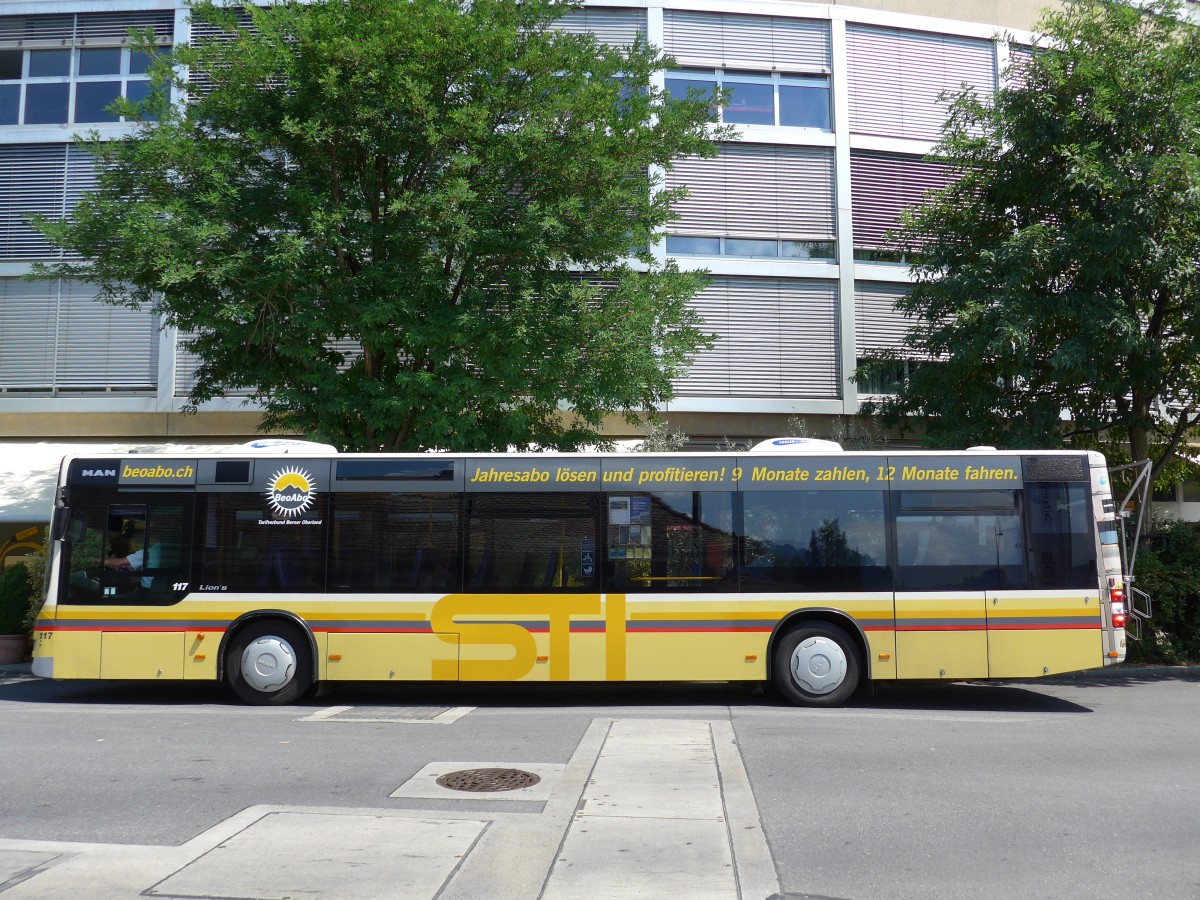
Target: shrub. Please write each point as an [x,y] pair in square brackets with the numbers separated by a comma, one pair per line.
[1168,569]
[15,592]
[36,564]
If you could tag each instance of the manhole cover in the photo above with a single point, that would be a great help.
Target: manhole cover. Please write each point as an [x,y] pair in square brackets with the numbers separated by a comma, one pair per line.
[488,780]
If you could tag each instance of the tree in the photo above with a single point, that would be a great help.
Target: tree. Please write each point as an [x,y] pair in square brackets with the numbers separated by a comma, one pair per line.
[375,216]
[1058,270]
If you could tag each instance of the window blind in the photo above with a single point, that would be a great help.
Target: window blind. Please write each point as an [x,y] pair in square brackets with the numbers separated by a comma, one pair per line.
[84,29]
[775,337]
[615,27]
[755,190]
[720,39]
[895,77]
[187,362]
[57,335]
[882,186]
[878,325]
[1019,58]
[42,179]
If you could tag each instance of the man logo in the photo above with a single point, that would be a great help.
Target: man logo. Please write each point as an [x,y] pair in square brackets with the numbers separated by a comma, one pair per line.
[99,473]
[291,491]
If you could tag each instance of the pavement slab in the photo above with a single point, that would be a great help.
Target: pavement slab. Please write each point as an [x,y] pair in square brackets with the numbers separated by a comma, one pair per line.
[643,808]
[292,855]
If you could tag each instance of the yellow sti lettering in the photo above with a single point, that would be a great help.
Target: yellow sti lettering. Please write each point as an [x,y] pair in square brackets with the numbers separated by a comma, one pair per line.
[476,639]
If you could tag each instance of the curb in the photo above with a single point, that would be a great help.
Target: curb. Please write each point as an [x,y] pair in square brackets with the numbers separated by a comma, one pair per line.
[1123,671]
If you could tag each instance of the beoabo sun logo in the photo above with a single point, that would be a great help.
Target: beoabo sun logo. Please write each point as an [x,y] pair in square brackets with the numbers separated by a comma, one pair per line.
[291,491]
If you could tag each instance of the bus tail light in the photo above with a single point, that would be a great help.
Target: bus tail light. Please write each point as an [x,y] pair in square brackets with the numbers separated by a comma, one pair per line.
[1117,597]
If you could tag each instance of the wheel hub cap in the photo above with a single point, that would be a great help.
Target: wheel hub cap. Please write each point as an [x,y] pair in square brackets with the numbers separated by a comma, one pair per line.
[269,664]
[819,665]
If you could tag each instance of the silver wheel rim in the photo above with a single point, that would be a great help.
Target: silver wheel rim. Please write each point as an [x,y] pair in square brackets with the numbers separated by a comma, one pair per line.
[269,664]
[819,665]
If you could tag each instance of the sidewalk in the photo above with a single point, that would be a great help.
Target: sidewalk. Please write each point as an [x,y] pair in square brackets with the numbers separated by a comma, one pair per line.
[644,808]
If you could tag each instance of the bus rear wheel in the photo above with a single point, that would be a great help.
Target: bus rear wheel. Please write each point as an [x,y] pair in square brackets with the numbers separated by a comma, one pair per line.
[269,664]
[816,664]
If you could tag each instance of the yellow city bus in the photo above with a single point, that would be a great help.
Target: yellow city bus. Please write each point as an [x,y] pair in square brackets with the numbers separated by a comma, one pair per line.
[797,563]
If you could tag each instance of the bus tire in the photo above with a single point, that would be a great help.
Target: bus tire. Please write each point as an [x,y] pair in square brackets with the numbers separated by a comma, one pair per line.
[269,663]
[816,664]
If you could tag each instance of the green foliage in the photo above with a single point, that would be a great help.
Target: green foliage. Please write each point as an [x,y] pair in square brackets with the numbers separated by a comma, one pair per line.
[418,181]
[852,432]
[36,564]
[15,593]
[661,437]
[1060,270]
[1168,569]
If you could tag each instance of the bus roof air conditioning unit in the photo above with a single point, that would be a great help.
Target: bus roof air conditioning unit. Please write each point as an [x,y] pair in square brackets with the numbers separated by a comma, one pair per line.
[796,445]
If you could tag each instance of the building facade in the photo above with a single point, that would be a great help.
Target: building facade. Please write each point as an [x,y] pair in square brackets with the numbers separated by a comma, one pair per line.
[836,105]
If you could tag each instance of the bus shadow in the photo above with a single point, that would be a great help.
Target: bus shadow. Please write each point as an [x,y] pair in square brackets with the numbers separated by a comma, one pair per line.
[1128,677]
[116,693]
[681,696]
[966,697]
[576,695]
[1028,697]
[397,695]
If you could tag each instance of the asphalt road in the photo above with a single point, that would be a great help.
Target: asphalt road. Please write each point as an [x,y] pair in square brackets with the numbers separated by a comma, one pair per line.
[1076,787]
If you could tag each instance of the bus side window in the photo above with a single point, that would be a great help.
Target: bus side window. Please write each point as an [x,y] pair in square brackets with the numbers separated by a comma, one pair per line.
[1062,548]
[243,545]
[167,559]
[120,549]
[531,542]
[959,541]
[125,553]
[814,541]
[384,542]
[671,540]
[83,549]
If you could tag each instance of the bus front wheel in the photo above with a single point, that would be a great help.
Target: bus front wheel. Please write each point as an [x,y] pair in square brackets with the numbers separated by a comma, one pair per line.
[816,664]
[269,663]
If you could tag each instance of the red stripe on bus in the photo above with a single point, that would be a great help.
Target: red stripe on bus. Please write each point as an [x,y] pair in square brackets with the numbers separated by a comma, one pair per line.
[1062,626]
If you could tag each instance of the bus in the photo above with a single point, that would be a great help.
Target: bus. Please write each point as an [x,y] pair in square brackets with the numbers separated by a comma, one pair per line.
[797,563]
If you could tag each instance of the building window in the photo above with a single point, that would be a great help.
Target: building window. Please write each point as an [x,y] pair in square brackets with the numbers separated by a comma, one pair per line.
[879,255]
[760,98]
[69,86]
[889,377]
[752,248]
[1163,494]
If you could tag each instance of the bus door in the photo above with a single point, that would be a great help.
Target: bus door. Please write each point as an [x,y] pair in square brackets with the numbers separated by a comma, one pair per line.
[952,548]
[127,552]
[1051,621]
[941,621]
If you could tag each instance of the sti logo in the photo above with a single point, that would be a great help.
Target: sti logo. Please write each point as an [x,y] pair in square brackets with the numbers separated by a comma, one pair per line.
[98,473]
